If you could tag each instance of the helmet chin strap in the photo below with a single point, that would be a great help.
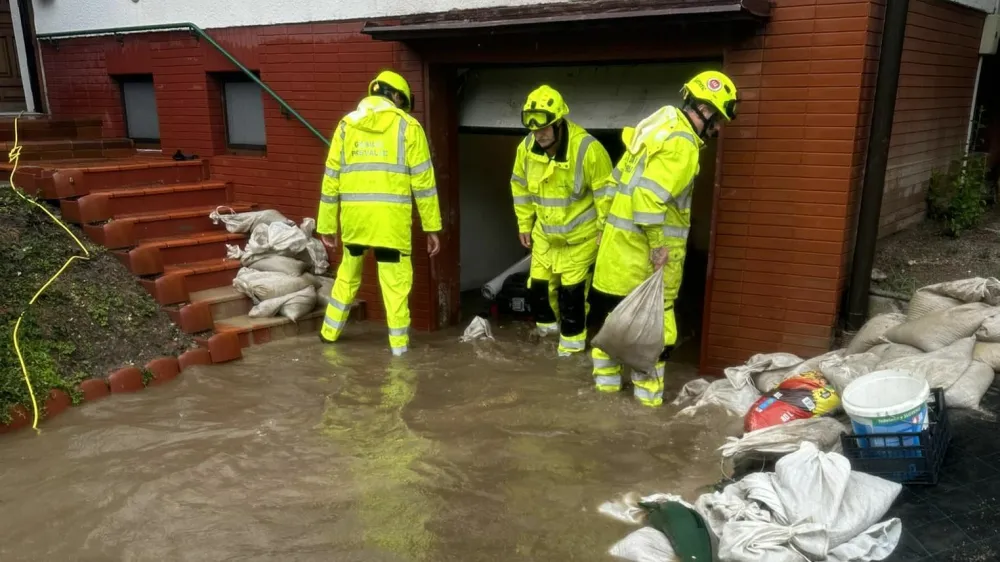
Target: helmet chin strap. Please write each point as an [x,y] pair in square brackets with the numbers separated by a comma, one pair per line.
[706,131]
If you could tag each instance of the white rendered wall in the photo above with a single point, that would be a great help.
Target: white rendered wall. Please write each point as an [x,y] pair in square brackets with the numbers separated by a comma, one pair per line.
[988,6]
[77,15]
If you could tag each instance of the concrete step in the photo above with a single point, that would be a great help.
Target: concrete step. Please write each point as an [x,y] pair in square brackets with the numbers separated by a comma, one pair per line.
[224,302]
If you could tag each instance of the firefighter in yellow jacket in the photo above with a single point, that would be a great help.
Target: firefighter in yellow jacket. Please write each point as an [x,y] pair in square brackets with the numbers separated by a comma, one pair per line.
[559,172]
[650,215]
[379,163]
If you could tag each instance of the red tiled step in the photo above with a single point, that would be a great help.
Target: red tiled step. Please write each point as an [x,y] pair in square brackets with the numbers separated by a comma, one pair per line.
[44,127]
[65,149]
[257,331]
[103,205]
[124,231]
[179,281]
[134,172]
[151,256]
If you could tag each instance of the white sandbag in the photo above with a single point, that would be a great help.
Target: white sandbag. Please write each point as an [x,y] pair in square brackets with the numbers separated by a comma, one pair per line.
[890,351]
[990,330]
[246,222]
[276,238]
[760,363]
[633,332]
[315,256]
[841,371]
[871,333]
[264,285]
[941,368]
[276,264]
[769,380]
[737,401]
[292,306]
[942,296]
[325,290]
[968,390]
[823,431]
[644,545]
[233,252]
[988,353]
[939,329]
[479,328]
[807,487]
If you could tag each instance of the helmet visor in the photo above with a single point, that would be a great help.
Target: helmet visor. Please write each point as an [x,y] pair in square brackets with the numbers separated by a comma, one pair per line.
[535,119]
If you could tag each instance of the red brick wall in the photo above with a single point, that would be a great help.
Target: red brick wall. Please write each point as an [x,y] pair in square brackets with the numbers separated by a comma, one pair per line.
[937,78]
[321,70]
[790,166]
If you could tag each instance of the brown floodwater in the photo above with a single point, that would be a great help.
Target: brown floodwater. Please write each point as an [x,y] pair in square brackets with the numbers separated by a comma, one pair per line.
[485,451]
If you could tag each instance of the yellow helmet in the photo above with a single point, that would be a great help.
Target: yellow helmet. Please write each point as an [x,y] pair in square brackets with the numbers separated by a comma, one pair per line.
[387,82]
[543,107]
[716,89]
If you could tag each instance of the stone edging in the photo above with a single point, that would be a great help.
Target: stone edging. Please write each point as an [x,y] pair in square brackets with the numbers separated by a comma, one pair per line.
[221,348]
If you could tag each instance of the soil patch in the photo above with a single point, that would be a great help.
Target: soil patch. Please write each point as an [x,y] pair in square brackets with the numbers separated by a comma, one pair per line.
[95,318]
[922,255]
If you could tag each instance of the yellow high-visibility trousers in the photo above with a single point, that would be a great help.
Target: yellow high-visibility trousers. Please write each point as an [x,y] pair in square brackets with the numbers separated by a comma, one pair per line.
[395,278]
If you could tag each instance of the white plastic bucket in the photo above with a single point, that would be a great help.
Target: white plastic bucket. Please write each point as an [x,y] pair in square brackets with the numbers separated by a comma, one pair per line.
[887,402]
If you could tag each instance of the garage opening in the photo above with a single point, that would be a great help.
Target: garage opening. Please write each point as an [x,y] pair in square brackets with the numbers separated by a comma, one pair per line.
[603,99]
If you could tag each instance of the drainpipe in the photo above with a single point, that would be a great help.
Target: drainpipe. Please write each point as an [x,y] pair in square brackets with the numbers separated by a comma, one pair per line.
[886,82]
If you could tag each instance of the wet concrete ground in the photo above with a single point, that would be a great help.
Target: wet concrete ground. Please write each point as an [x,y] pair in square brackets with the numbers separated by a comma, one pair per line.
[457,452]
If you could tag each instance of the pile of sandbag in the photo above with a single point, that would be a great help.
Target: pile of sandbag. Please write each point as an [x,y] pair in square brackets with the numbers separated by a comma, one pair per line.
[950,336]
[282,263]
[812,507]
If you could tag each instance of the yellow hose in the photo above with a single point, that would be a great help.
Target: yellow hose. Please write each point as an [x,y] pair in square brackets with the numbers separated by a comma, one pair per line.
[14,157]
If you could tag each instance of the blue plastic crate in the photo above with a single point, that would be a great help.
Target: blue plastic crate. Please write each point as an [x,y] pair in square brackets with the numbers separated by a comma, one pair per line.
[907,458]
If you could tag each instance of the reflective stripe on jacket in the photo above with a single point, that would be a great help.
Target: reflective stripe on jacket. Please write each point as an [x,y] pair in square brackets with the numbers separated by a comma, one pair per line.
[378,163]
[652,204]
[555,198]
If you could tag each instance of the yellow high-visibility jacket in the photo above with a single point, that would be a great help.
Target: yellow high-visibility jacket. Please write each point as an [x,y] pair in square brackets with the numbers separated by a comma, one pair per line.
[652,204]
[554,198]
[378,163]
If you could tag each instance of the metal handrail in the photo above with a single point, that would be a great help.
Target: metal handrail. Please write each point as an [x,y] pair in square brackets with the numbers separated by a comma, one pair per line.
[199,32]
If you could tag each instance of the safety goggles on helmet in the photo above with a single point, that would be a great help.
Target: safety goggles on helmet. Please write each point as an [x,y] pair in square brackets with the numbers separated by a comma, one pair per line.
[535,119]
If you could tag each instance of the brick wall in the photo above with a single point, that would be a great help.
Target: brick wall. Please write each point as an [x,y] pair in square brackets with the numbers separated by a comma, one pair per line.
[321,70]
[937,78]
[790,166]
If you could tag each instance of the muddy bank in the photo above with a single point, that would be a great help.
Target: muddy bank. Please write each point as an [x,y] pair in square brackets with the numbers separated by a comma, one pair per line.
[922,255]
[94,319]
[456,452]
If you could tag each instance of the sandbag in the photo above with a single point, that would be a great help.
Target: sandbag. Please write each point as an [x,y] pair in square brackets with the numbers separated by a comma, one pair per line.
[276,264]
[276,238]
[292,306]
[812,504]
[871,333]
[803,396]
[325,290]
[633,332]
[939,329]
[782,439]
[736,401]
[758,364]
[264,285]
[841,371]
[988,353]
[246,222]
[771,379]
[942,296]
[968,390]
[315,256]
[891,351]
[941,368]
[990,330]
[644,545]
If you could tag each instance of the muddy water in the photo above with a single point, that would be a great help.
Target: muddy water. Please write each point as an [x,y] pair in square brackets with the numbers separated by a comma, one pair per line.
[457,452]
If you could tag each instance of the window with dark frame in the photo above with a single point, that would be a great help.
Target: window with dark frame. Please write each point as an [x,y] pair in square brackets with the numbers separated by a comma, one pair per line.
[243,106]
[142,119]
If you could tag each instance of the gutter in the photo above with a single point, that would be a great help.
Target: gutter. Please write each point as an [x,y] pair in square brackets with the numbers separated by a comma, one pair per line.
[876,161]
